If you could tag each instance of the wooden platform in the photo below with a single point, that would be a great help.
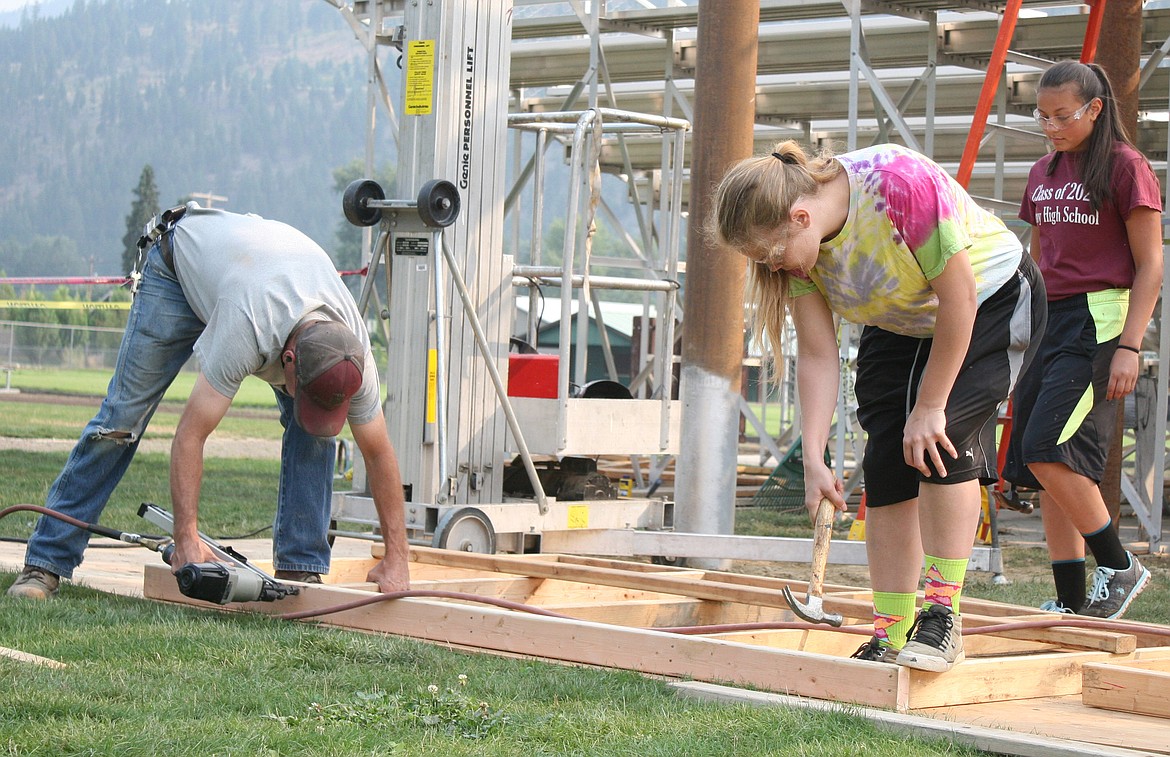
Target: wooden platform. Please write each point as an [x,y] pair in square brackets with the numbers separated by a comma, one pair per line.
[1049,682]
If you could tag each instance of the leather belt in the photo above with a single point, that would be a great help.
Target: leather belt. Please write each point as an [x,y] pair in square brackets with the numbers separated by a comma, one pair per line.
[167,250]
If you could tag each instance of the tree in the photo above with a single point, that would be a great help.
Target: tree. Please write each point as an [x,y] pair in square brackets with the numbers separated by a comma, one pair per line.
[145,207]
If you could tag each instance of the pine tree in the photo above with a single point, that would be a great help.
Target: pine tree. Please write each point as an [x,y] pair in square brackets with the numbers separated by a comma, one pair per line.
[144,208]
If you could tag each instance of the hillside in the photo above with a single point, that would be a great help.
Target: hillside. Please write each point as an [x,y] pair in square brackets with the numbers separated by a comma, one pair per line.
[256,101]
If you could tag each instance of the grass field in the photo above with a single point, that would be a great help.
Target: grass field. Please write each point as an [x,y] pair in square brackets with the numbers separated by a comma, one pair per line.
[92,383]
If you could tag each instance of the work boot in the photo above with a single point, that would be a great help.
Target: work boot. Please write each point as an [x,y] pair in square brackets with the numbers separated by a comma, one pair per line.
[35,583]
[874,651]
[303,576]
[1113,590]
[936,641]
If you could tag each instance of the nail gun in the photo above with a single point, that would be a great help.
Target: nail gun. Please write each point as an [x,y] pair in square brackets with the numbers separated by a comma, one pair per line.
[233,580]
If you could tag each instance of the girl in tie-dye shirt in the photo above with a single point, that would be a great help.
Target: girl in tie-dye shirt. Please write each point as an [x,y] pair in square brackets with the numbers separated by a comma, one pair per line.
[952,310]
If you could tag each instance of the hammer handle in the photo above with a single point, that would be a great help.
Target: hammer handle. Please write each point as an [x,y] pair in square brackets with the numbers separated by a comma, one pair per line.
[822,534]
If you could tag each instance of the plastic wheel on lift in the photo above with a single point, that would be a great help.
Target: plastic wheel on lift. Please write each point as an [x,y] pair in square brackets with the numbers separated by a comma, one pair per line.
[438,203]
[354,202]
[465,529]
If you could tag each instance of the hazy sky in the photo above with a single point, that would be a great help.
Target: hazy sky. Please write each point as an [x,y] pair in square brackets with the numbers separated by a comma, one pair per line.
[15,5]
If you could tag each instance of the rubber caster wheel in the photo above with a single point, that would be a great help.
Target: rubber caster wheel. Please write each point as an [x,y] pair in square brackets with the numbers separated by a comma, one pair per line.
[354,202]
[465,529]
[438,203]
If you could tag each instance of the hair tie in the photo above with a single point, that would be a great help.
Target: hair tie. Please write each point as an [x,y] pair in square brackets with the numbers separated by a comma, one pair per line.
[787,160]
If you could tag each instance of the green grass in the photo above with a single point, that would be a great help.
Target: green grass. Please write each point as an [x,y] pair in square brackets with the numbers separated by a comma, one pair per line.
[149,679]
[238,496]
[44,420]
[92,383]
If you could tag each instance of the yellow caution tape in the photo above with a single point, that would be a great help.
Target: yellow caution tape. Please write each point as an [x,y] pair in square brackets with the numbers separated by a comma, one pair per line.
[45,305]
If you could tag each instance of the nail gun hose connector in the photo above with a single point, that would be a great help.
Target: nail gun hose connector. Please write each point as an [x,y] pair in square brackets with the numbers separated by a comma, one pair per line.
[220,584]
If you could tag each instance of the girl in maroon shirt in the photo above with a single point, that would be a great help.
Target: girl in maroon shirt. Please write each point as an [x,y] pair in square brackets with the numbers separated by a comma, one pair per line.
[1095,207]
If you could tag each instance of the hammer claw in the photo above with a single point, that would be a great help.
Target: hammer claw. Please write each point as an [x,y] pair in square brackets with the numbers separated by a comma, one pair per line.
[813,609]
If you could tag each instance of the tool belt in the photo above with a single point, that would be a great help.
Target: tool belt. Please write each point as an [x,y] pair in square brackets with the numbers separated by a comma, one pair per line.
[158,230]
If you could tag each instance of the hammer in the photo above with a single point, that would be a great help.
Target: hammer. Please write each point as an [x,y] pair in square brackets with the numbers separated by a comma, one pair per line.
[813,609]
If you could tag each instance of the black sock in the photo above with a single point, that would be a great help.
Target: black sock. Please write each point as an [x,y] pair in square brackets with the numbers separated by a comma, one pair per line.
[1106,547]
[1069,576]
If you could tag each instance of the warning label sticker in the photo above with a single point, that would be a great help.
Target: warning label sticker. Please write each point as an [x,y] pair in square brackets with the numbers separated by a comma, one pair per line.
[419,83]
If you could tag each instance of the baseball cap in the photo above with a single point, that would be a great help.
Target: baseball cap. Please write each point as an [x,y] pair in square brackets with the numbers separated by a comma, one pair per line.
[329,365]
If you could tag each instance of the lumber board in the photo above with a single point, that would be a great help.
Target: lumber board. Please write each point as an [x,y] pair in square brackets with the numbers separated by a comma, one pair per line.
[638,613]
[839,644]
[646,651]
[1067,718]
[688,583]
[1113,642]
[529,590]
[1140,686]
[996,739]
[989,679]
[31,659]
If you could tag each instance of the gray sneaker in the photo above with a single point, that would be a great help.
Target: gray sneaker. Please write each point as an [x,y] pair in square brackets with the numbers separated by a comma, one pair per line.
[936,641]
[34,583]
[1054,605]
[1113,590]
[874,651]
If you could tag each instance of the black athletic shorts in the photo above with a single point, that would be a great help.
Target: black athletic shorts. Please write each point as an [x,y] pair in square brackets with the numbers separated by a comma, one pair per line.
[1005,335]
[1059,411]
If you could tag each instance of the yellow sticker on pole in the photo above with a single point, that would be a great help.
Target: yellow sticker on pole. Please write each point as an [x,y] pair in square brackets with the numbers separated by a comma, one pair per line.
[419,84]
[432,372]
[578,516]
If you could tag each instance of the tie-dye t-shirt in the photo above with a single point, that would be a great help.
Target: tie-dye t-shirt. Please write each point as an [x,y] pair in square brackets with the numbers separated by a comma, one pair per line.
[907,217]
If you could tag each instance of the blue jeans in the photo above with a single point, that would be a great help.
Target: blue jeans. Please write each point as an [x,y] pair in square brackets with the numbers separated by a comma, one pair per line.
[160,333]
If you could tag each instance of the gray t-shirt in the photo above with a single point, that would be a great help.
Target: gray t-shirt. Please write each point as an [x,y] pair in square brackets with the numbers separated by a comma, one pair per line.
[252,280]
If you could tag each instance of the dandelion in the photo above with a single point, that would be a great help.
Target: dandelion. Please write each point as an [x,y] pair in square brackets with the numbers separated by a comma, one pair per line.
[462,679]
[433,689]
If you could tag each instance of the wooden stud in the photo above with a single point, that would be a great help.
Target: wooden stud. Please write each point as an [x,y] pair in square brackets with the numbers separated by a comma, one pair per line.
[1141,687]
[32,659]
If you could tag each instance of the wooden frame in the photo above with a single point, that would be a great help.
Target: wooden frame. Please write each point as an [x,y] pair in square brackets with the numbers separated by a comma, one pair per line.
[616,612]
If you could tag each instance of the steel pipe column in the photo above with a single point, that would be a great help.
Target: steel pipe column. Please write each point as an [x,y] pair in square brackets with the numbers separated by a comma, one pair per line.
[712,355]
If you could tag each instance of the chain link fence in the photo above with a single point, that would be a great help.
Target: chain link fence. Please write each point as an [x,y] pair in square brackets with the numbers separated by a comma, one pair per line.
[30,344]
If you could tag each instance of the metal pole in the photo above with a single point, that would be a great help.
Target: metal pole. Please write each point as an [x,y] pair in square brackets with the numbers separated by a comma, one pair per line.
[444,475]
[1119,53]
[712,353]
[999,53]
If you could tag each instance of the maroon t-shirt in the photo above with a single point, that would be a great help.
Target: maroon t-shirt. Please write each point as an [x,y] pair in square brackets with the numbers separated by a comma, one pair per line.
[1081,249]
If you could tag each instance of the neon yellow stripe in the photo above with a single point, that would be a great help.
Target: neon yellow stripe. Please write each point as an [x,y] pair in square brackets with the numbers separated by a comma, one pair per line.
[43,305]
[1079,413]
[1109,309]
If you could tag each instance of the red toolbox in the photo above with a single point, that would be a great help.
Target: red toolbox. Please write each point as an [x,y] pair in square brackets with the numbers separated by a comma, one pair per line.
[532,375]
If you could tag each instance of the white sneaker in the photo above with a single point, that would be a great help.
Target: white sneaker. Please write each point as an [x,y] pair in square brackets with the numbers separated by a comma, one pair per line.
[1054,605]
[936,641]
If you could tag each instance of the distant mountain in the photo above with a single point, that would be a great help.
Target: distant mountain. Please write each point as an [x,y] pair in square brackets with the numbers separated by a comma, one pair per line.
[258,102]
[11,11]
